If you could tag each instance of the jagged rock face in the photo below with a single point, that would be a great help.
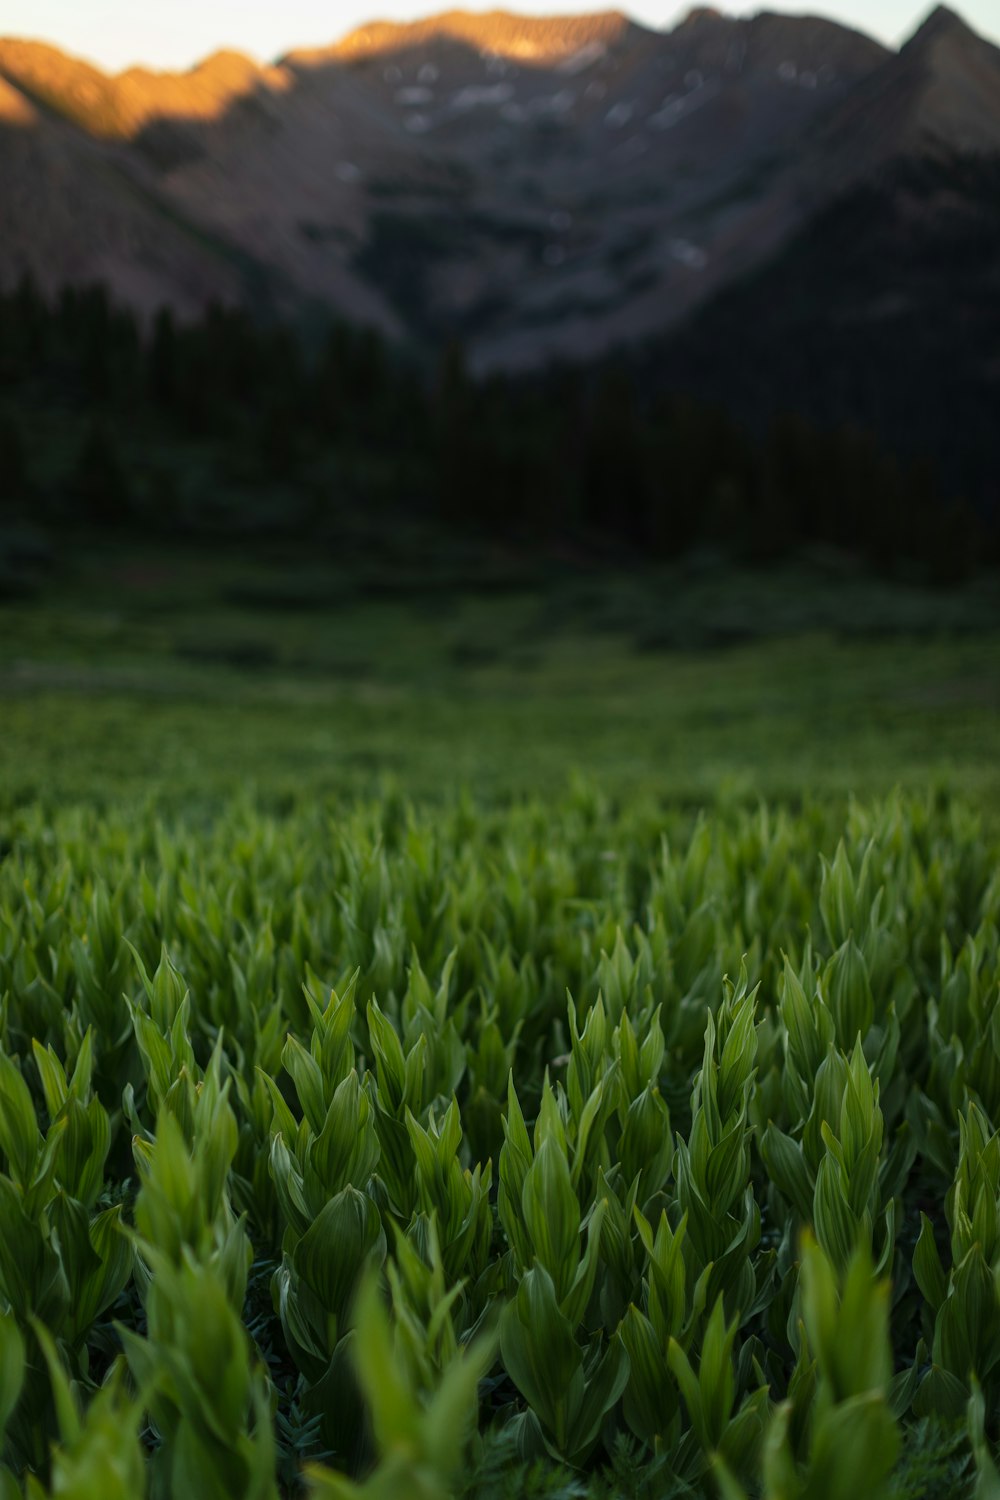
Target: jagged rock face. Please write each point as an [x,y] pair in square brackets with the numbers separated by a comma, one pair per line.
[938,96]
[540,187]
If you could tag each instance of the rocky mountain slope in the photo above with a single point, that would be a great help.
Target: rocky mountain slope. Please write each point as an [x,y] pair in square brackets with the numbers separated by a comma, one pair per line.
[540,188]
[882,311]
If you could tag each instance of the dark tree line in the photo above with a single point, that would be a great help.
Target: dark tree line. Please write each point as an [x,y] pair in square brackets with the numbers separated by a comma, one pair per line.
[884,312]
[595,455]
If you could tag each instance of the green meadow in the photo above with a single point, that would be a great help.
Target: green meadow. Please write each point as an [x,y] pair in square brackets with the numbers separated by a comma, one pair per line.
[478,1032]
[187,678]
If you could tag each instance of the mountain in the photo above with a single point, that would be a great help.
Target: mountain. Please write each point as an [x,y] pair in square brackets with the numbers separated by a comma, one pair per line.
[130,180]
[595,178]
[736,195]
[538,186]
[497,33]
[119,107]
[939,95]
[882,311]
[72,214]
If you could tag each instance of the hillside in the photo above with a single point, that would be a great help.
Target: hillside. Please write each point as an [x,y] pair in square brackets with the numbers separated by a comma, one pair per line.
[938,97]
[781,212]
[118,107]
[883,310]
[883,313]
[538,186]
[76,213]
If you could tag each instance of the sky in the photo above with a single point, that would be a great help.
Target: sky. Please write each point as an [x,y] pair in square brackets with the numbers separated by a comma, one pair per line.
[176,33]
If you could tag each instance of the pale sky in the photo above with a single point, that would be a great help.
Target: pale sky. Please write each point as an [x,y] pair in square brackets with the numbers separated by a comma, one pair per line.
[176,33]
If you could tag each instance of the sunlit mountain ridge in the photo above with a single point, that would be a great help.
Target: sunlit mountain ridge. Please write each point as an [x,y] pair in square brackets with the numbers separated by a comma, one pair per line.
[539,188]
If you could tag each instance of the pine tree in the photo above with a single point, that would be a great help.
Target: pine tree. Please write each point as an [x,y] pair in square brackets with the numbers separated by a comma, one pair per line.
[100,481]
[13,464]
[162,374]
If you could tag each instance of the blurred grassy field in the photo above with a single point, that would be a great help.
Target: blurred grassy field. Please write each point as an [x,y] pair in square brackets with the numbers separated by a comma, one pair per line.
[180,677]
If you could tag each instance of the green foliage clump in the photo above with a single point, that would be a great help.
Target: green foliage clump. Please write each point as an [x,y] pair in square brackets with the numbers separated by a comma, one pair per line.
[539,1150]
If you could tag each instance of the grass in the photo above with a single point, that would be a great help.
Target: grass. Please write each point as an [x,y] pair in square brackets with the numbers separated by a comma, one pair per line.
[179,679]
[181,676]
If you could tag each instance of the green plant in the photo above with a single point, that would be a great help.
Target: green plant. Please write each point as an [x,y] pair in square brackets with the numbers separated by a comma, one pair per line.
[345,1192]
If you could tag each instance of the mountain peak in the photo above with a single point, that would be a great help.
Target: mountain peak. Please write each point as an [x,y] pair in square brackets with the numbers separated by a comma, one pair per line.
[702,15]
[504,33]
[223,70]
[938,24]
[227,61]
[938,96]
